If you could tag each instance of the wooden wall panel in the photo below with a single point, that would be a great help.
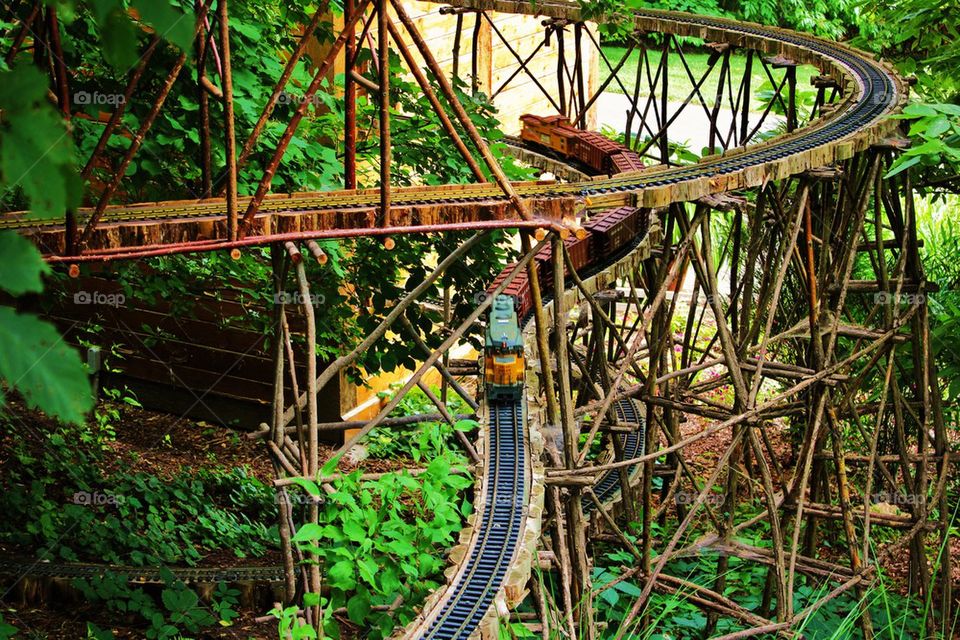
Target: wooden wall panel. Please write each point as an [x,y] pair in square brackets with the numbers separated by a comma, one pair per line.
[497,63]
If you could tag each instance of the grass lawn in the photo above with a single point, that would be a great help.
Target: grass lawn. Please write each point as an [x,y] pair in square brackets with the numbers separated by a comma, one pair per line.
[679,83]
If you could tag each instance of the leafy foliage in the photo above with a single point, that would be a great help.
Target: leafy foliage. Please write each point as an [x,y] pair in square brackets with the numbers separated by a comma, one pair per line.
[935,129]
[381,539]
[674,615]
[179,611]
[921,37]
[829,18]
[940,232]
[34,360]
[129,518]
[424,441]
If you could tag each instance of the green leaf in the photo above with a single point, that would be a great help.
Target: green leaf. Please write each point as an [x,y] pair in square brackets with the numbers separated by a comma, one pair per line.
[171,24]
[119,41]
[309,532]
[309,485]
[938,126]
[36,151]
[368,570]
[93,632]
[358,608]
[466,425]
[389,581]
[401,548]
[22,266]
[628,588]
[330,467]
[36,361]
[917,110]
[949,109]
[341,575]
[179,599]
[354,530]
[902,164]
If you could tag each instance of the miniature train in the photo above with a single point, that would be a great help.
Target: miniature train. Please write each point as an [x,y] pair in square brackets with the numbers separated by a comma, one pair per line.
[504,365]
[599,153]
[607,234]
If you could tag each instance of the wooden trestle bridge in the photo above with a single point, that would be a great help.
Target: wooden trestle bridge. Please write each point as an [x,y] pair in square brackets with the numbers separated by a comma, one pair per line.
[794,326]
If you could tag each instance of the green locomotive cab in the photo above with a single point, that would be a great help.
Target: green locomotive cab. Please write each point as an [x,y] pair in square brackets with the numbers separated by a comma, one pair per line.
[504,364]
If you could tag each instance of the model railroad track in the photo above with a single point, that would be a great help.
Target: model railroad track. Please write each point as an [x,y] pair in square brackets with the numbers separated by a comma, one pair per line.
[876,94]
[634,445]
[501,523]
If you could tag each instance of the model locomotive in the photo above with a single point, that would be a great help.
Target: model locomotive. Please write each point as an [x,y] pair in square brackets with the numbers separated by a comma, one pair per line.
[599,153]
[503,361]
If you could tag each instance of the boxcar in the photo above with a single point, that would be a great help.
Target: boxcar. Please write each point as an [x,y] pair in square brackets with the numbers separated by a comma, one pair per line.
[577,248]
[625,161]
[554,132]
[613,229]
[595,150]
[518,289]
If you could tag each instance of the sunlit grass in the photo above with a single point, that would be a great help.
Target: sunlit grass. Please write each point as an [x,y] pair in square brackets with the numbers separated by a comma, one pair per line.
[678,81]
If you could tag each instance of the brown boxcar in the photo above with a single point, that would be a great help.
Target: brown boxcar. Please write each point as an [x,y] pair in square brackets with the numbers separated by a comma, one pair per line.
[519,289]
[613,229]
[580,255]
[595,150]
[553,132]
[625,161]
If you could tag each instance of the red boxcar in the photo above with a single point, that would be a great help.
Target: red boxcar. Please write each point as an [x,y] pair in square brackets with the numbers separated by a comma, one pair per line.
[595,150]
[625,161]
[613,229]
[580,254]
[519,288]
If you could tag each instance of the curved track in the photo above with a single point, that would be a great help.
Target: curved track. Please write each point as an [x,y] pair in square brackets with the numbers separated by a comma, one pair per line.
[634,445]
[500,527]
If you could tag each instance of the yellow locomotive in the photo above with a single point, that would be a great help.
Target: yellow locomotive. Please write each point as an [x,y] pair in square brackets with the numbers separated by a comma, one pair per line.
[504,366]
